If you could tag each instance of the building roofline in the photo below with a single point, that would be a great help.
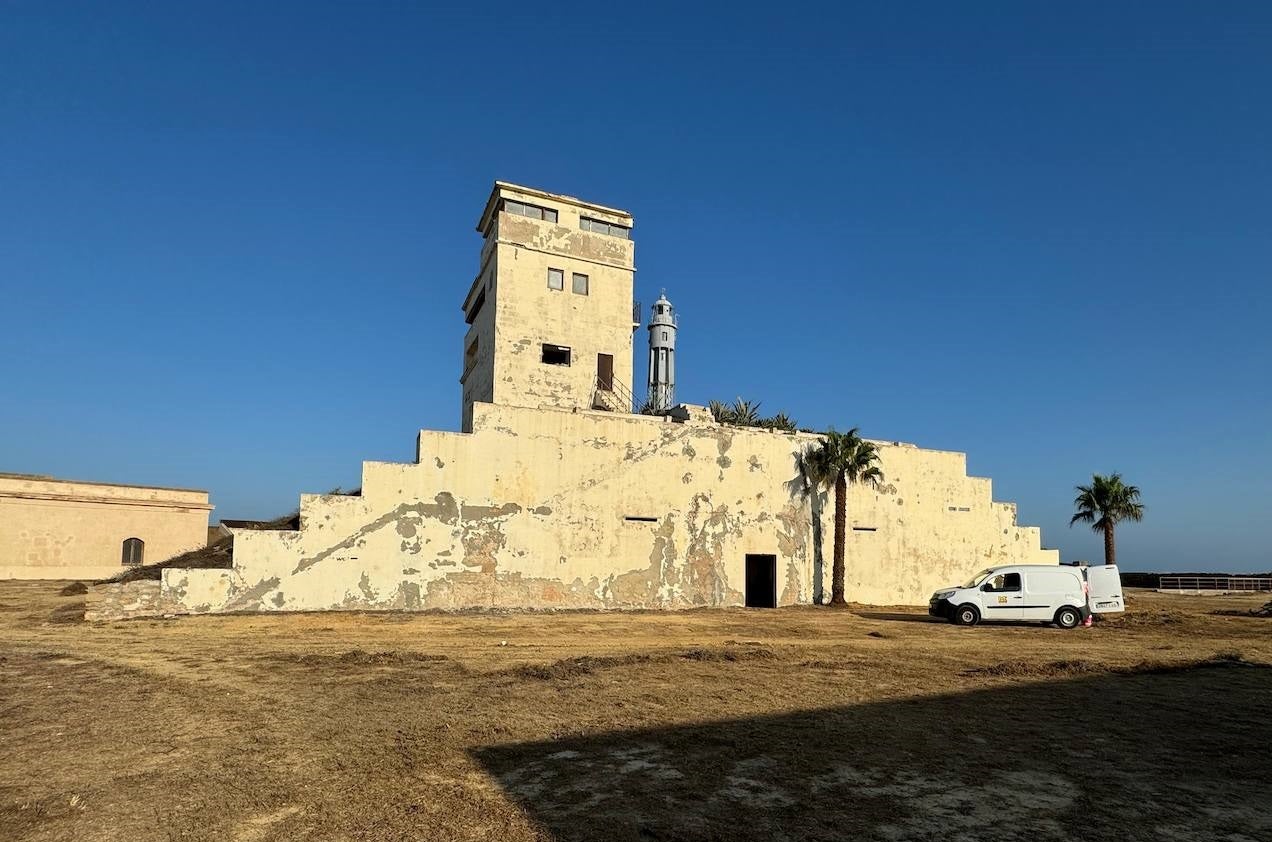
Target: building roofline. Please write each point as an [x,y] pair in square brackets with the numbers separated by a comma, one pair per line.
[542,194]
[46,478]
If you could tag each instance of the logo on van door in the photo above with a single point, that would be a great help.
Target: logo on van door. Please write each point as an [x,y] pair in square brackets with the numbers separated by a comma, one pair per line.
[1002,600]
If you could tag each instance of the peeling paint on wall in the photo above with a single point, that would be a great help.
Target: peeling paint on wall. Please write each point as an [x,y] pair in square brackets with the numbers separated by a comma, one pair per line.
[536,519]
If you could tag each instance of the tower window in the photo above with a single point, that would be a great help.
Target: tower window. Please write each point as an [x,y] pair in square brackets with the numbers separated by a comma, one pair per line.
[596,226]
[134,551]
[580,284]
[664,333]
[471,315]
[470,355]
[532,211]
[556,279]
[556,354]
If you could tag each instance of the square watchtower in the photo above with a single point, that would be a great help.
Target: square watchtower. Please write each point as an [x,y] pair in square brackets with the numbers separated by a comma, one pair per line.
[551,312]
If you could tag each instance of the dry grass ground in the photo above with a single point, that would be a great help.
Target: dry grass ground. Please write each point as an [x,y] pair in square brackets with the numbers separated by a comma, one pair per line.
[740,725]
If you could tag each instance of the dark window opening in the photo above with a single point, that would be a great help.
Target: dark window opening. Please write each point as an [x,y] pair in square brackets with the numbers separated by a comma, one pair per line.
[470,355]
[761,581]
[635,519]
[476,308]
[865,528]
[596,226]
[134,551]
[532,211]
[556,354]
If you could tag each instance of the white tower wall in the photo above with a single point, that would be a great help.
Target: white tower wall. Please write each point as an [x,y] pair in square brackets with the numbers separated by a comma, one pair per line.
[662,355]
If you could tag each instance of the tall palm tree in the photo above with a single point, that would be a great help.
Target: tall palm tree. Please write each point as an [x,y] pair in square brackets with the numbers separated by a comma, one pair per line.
[1104,503]
[838,459]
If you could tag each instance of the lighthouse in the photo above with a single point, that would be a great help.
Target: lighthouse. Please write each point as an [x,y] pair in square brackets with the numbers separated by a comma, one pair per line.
[662,355]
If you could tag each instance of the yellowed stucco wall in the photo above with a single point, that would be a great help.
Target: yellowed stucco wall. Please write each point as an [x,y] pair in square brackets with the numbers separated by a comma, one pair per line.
[57,529]
[531,508]
[521,313]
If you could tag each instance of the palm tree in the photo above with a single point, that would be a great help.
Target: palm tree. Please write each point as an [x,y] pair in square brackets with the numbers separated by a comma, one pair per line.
[780,421]
[1104,503]
[745,413]
[839,459]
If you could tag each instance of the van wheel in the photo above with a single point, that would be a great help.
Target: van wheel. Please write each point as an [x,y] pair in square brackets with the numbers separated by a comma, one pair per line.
[966,615]
[1068,618]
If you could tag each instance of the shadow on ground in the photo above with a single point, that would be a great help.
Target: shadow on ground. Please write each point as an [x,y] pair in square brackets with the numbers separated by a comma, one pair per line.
[1148,754]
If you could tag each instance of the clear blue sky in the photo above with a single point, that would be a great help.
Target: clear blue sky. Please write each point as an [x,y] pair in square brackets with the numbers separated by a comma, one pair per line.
[234,237]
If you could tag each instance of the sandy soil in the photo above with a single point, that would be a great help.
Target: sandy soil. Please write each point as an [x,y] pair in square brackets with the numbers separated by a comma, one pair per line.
[802,723]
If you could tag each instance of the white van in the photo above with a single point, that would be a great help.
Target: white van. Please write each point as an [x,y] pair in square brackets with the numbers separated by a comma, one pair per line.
[1062,594]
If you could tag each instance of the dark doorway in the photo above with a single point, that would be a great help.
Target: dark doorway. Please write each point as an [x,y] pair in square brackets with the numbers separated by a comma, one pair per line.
[605,372]
[761,581]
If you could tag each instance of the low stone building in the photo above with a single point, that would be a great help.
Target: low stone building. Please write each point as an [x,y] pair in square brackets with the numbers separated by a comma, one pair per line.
[67,529]
[555,495]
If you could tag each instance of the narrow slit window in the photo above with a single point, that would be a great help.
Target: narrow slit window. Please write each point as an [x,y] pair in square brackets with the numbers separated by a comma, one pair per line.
[635,519]
[865,529]
[556,279]
[556,355]
[580,284]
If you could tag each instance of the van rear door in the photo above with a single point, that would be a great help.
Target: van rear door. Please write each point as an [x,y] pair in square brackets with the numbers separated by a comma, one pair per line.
[1105,596]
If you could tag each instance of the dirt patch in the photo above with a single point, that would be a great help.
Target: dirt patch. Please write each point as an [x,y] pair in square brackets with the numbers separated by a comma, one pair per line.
[357,657]
[74,589]
[729,654]
[587,665]
[1057,669]
[743,725]
[1031,669]
[1143,619]
[71,612]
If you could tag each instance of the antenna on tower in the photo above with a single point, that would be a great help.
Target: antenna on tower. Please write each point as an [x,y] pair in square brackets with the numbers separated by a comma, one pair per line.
[662,355]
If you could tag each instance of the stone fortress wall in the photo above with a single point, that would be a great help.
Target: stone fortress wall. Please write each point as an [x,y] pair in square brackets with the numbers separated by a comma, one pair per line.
[544,502]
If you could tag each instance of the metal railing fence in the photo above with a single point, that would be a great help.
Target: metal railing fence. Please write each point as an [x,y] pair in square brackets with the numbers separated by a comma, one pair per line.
[1214,583]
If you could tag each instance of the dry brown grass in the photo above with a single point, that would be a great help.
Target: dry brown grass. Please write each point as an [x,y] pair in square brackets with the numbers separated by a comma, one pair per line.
[790,724]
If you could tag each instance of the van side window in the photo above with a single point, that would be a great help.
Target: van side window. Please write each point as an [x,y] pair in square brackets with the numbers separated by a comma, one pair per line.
[1003,583]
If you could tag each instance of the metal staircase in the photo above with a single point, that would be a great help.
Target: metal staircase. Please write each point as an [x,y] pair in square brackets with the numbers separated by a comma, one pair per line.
[612,396]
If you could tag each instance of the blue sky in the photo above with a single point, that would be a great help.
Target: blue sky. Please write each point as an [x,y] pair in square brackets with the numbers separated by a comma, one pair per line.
[234,238]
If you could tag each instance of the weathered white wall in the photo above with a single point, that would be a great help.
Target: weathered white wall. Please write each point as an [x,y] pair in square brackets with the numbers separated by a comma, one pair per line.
[60,529]
[529,511]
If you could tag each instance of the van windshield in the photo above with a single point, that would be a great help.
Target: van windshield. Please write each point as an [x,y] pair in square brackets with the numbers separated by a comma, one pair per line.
[977,579]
